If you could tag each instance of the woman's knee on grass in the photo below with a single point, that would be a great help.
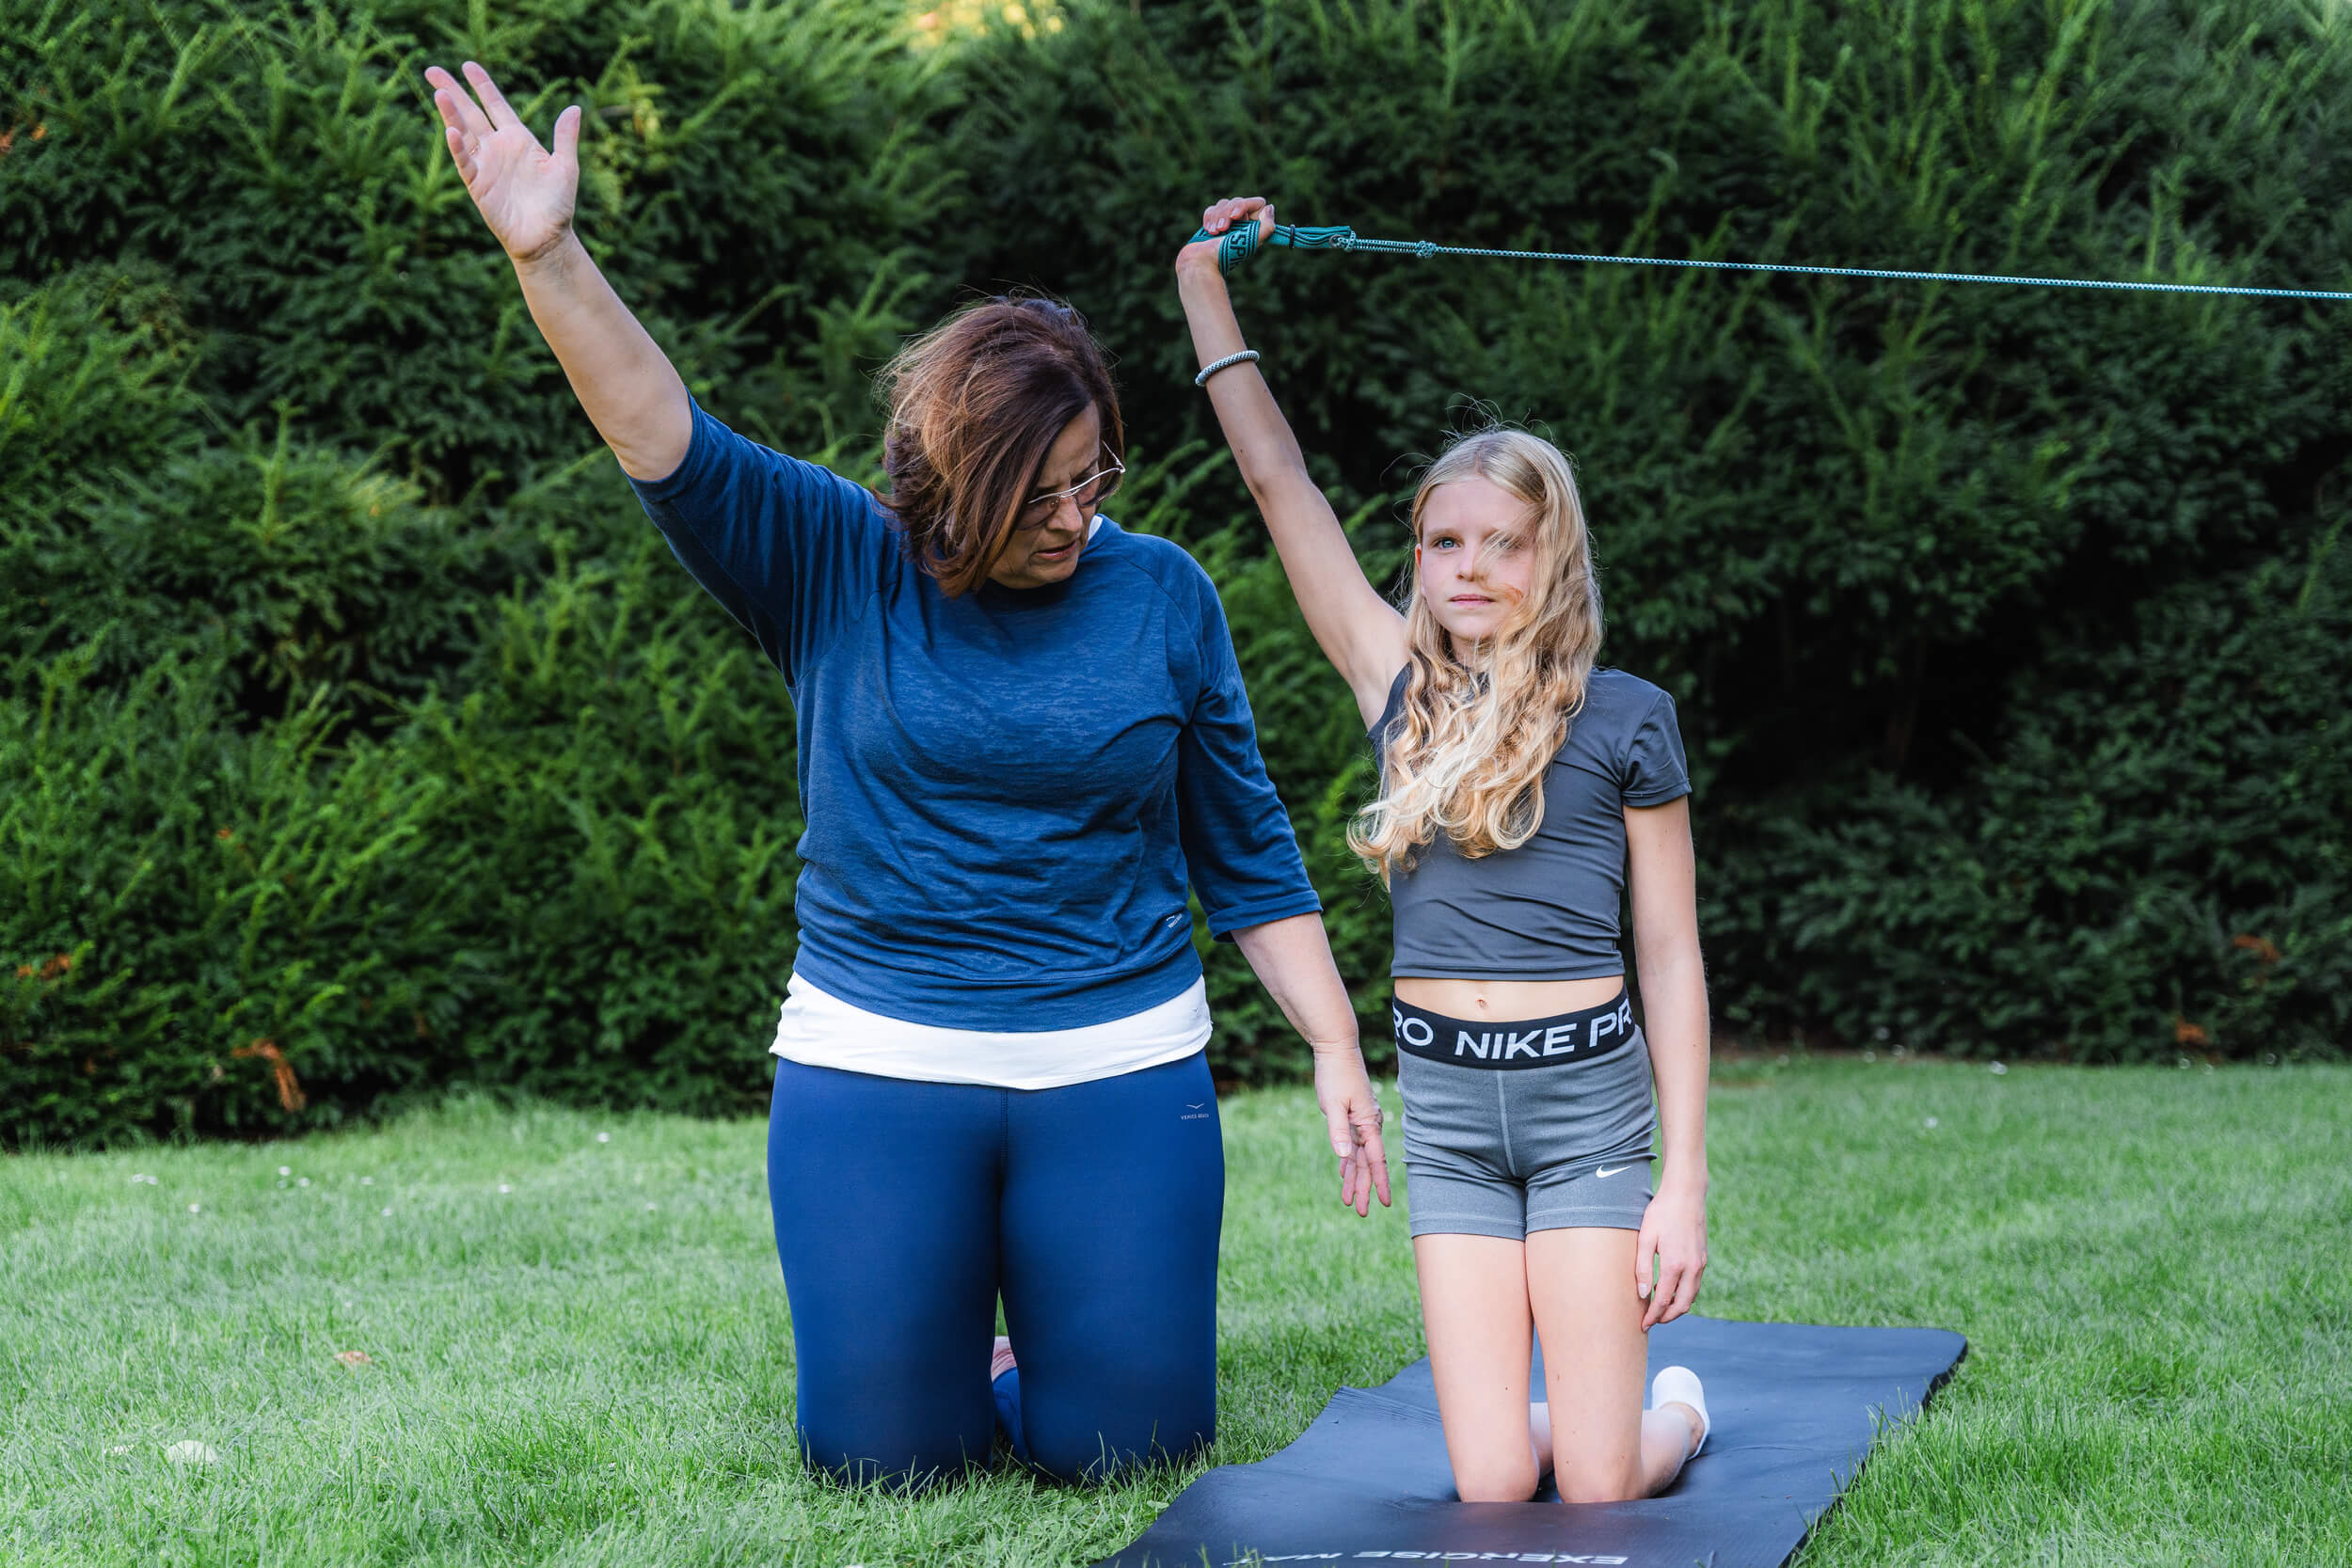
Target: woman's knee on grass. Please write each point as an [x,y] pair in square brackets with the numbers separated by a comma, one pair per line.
[904,1471]
[1101,1457]
[1085,1419]
[869,1419]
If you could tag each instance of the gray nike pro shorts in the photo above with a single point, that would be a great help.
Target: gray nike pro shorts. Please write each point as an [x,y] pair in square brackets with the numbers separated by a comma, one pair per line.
[1540,1125]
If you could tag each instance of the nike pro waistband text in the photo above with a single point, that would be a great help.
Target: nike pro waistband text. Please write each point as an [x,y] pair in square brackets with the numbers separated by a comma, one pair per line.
[1535,1042]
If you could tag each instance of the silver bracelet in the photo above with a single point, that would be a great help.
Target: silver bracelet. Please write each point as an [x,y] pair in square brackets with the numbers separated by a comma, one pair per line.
[1213,367]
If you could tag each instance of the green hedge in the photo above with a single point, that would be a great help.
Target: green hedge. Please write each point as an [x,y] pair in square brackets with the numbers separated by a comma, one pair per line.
[357,737]
[1858,528]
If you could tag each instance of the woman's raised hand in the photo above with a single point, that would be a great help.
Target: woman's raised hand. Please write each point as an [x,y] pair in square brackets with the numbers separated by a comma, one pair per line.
[524,192]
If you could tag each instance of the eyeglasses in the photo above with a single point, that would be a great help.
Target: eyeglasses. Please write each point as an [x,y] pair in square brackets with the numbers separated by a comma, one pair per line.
[1088,493]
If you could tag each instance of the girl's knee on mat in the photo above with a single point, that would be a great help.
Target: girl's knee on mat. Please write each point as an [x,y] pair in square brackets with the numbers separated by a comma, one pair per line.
[1501,1477]
[1598,1481]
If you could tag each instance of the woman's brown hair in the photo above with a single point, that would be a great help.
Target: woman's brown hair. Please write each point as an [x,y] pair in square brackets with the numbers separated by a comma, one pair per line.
[976,403]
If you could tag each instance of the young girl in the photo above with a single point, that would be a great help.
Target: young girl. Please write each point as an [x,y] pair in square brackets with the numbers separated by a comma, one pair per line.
[1518,782]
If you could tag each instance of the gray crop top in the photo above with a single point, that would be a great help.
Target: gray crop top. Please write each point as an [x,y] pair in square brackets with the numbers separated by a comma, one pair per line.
[1548,910]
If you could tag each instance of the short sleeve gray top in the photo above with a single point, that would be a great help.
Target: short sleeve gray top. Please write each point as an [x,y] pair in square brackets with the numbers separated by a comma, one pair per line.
[1548,910]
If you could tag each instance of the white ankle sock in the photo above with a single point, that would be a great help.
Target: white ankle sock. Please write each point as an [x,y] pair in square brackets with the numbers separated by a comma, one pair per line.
[1680,1386]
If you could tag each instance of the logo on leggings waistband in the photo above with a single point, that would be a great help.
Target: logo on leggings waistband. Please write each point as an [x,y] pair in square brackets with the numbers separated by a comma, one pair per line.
[1571,1038]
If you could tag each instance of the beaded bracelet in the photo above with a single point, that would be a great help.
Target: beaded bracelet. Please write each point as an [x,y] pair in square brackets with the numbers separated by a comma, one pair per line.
[1211,369]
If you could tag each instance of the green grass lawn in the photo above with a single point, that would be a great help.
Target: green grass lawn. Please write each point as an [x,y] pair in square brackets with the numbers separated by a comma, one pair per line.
[579,1351]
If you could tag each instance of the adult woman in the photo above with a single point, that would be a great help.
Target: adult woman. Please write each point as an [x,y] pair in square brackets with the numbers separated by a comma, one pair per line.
[1021,730]
[1519,784]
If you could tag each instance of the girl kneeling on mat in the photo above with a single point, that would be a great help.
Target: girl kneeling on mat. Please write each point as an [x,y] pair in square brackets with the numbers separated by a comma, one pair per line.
[1519,782]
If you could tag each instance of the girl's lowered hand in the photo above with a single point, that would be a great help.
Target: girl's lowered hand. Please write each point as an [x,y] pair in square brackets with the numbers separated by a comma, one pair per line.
[524,192]
[1674,1231]
[1217,219]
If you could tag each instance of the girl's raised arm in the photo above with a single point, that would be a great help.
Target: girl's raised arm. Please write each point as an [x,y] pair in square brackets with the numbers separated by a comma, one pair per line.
[525,193]
[1359,632]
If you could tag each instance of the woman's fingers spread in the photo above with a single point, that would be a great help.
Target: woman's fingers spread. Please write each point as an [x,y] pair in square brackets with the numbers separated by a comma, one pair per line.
[1375,1157]
[467,116]
[453,118]
[566,138]
[1372,1158]
[494,102]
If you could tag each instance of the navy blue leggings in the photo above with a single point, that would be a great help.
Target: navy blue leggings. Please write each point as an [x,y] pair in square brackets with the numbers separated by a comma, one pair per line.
[903,1211]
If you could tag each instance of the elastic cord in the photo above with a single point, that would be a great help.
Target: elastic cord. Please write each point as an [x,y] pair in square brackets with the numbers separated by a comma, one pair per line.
[1241,242]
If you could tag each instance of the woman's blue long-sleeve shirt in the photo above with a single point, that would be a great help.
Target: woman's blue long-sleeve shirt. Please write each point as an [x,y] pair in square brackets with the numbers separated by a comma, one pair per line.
[1006,793]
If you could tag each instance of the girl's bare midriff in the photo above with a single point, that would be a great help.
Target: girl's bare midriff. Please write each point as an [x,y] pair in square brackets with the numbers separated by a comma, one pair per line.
[1505,1000]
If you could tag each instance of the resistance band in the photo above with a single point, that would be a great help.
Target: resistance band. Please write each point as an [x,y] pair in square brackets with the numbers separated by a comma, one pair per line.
[1241,242]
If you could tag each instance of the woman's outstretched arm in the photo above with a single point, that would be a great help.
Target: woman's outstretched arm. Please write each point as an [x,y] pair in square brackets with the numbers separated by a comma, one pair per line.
[526,194]
[1359,632]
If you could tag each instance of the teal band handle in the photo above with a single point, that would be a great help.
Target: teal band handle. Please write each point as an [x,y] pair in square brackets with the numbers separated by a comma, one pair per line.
[1240,243]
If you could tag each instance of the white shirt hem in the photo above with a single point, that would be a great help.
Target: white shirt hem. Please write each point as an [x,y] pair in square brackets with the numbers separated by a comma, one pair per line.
[817,1029]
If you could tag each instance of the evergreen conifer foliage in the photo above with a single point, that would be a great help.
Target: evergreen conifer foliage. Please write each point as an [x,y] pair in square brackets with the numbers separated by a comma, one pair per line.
[750,173]
[2153,858]
[137,514]
[1849,524]
[623,803]
[315,789]
[359,738]
[214,928]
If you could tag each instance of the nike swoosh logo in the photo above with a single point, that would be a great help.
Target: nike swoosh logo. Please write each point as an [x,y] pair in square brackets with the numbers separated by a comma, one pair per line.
[1597,1171]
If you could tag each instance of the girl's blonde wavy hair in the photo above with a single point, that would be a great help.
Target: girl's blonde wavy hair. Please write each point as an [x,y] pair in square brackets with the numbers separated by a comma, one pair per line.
[1466,754]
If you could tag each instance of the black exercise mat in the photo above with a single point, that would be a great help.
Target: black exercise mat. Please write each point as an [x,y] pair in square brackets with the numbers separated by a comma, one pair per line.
[1795,1408]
